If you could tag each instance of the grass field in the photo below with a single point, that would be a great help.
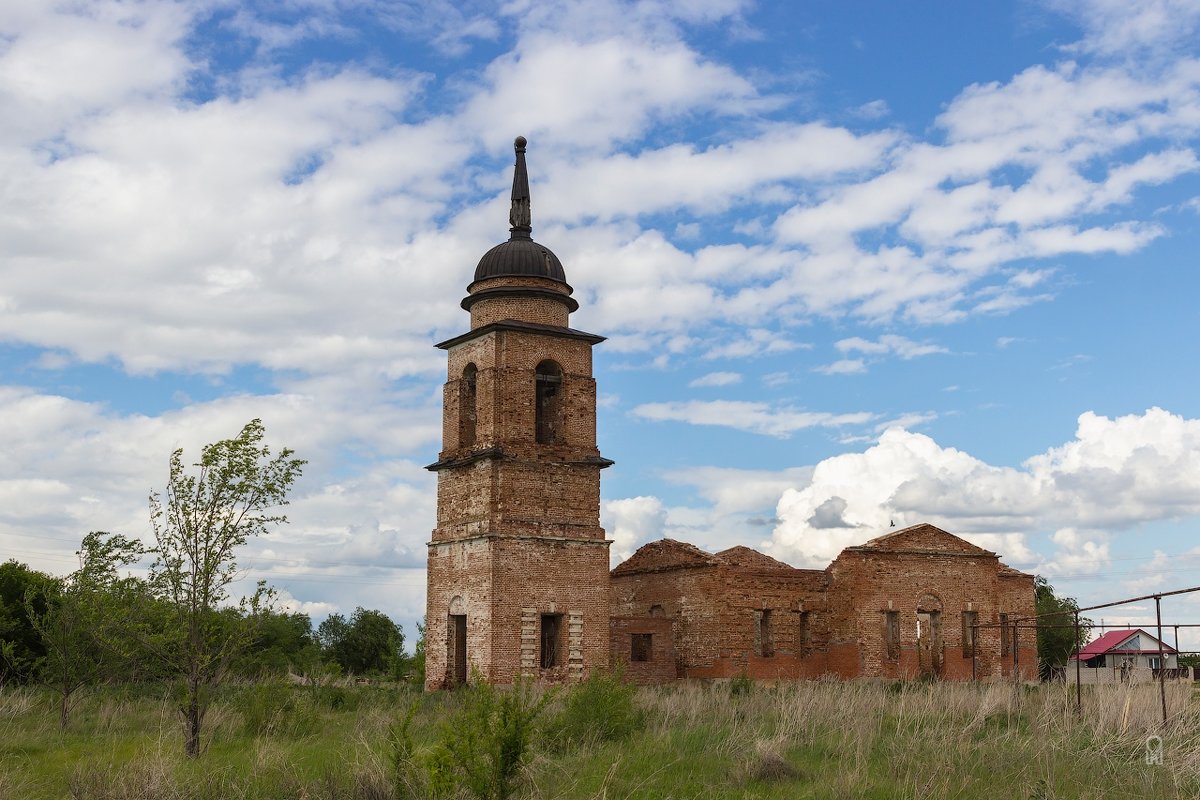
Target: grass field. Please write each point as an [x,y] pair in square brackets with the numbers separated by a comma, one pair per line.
[807,740]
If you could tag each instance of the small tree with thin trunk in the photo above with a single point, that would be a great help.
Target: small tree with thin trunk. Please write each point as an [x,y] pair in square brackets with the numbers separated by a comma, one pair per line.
[81,616]
[204,518]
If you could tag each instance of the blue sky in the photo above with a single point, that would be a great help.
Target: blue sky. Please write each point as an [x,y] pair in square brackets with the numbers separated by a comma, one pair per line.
[857,263]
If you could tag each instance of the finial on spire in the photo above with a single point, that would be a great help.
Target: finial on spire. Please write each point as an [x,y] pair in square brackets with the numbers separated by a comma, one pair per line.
[518,217]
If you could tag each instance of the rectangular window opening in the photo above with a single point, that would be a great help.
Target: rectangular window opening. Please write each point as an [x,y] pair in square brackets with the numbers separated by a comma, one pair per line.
[892,633]
[805,632]
[551,624]
[641,646]
[1005,636]
[762,634]
[969,620]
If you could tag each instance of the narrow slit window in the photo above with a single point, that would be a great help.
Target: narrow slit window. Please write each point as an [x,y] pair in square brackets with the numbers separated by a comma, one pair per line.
[551,625]
[805,643]
[641,646]
[1005,636]
[467,406]
[548,402]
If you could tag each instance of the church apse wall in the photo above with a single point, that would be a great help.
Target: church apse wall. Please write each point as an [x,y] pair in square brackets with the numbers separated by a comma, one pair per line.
[902,606]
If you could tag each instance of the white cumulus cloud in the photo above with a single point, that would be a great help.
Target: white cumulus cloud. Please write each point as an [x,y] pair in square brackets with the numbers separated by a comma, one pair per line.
[1114,474]
[716,379]
[631,522]
[747,416]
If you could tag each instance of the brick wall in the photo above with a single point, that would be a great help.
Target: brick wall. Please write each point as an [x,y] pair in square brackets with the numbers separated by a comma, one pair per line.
[660,667]
[924,569]
[719,601]
[459,573]
[683,595]
[518,545]
[508,495]
[528,299]
[543,310]
[865,586]
[716,605]
[505,409]
[550,577]
[1016,592]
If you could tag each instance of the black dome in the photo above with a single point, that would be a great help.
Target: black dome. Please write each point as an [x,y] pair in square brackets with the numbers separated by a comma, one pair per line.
[520,258]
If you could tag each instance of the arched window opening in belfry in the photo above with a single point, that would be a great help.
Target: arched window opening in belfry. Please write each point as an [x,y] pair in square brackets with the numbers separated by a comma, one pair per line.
[466,406]
[549,402]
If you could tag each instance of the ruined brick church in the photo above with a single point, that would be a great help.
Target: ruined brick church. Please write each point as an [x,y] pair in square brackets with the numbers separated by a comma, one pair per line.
[518,573]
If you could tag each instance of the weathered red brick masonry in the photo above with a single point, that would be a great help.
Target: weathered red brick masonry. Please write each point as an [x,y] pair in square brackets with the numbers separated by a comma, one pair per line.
[519,580]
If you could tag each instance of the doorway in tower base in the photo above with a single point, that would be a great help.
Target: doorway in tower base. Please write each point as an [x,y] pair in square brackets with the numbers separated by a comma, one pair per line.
[456,658]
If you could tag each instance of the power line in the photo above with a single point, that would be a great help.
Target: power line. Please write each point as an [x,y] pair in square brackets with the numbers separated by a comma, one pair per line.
[305,577]
[58,554]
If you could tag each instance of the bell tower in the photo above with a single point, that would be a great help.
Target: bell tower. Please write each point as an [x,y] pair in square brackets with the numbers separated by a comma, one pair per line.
[518,570]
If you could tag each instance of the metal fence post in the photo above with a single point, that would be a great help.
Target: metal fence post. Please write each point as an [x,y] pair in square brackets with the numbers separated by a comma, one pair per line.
[1016,628]
[1162,665]
[1079,680]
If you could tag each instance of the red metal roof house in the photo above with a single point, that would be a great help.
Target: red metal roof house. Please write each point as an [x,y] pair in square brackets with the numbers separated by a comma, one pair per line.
[1132,647]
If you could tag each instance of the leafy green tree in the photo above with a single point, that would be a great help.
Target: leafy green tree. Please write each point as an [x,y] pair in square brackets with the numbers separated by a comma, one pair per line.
[331,631]
[21,648]
[82,615]
[198,527]
[1055,641]
[281,642]
[370,642]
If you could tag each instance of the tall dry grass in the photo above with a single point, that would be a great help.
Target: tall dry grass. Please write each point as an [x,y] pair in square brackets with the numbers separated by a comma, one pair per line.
[822,739]
[940,739]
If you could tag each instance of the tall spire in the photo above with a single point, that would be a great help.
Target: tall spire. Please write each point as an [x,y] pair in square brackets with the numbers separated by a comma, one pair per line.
[518,216]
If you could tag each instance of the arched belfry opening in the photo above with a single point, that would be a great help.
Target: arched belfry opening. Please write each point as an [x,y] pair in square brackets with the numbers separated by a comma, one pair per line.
[518,521]
[548,402]
[467,406]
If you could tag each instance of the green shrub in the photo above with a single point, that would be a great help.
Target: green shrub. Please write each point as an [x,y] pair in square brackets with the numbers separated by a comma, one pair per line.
[406,777]
[485,743]
[601,708]
[336,698]
[277,708]
[441,777]
[740,684]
